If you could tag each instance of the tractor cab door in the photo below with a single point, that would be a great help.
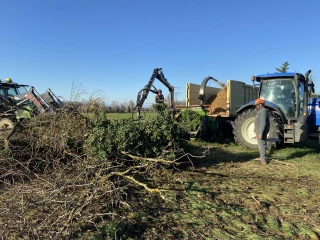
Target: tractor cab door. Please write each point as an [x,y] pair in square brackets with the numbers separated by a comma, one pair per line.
[283,93]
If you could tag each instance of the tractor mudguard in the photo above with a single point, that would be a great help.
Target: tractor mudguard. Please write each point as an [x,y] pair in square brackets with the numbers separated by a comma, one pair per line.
[269,105]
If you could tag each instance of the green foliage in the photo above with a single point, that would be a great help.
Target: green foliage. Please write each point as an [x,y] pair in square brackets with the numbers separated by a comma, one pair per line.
[284,67]
[160,107]
[146,138]
[190,120]
[205,126]
[113,230]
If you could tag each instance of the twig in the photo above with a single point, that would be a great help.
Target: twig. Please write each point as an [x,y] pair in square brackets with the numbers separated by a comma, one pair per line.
[256,200]
[287,164]
[151,190]
[148,159]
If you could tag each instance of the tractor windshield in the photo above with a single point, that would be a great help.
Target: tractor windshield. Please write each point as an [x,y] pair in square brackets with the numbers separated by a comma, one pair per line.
[21,90]
[281,92]
[12,90]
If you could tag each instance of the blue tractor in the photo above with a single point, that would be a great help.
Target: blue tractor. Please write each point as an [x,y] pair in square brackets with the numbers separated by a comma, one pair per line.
[294,114]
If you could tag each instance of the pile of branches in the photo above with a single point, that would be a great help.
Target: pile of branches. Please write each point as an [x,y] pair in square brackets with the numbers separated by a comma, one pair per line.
[66,173]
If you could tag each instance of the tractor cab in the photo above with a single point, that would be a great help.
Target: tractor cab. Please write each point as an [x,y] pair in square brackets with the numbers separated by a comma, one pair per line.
[284,92]
[287,99]
[10,89]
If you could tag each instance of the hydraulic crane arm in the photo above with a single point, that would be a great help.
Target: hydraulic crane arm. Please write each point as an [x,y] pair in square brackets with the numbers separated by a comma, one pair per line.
[143,93]
[33,96]
[52,99]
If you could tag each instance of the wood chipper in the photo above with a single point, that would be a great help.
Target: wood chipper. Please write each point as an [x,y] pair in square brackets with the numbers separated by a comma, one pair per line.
[218,105]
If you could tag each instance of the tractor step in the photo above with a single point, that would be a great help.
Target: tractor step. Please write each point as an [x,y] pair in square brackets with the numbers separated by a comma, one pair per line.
[288,135]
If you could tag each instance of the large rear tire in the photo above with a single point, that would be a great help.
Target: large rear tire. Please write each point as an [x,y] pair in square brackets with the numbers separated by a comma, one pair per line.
[243,130]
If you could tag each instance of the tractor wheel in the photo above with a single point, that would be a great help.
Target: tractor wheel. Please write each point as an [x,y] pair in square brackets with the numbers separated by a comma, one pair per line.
[6,126]
[243,130]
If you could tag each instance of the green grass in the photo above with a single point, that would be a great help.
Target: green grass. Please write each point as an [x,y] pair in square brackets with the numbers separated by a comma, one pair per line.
[228,195]
[144,115]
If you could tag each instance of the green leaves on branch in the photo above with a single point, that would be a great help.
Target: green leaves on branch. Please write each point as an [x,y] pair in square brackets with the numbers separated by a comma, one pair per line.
[153,137]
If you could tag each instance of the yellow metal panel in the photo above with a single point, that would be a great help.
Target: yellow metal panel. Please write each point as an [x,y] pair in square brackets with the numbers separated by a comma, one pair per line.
[238,93]
[192,93]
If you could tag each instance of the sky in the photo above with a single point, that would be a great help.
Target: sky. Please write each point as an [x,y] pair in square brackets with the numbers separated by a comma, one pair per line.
[109,48]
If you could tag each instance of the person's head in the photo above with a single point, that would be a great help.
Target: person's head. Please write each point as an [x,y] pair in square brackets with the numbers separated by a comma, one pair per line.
[259,103]
[159,91]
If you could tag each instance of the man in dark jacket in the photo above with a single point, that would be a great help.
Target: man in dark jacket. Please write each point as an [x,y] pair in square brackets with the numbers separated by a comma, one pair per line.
[159,97]
[261,128]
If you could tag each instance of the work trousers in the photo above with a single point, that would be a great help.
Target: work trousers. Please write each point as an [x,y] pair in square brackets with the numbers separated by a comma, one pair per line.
[262,144]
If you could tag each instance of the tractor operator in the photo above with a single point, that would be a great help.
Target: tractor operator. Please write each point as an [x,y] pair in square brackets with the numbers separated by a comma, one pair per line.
[159,97]
[261,128]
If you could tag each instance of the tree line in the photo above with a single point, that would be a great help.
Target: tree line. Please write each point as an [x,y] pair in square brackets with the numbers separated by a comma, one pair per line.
[116,106]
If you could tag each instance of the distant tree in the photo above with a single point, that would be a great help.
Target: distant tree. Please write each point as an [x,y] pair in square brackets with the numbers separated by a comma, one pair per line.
[284,67]
[114,106]
[123,107]
[168,100]
[131,106]
[180,102]
[101,104]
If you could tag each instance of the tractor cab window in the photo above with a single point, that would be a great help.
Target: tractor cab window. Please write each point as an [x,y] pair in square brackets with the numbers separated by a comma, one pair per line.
[21,90]
[282,93]
[12,91]
[7,91]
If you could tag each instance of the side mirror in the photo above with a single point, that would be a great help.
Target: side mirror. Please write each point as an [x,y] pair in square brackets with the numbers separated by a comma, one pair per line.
[311,87]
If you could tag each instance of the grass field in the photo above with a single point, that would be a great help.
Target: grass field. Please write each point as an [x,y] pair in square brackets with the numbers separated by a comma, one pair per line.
[228,195]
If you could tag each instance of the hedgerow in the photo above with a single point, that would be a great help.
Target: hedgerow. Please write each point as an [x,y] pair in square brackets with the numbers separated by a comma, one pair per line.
[152,137]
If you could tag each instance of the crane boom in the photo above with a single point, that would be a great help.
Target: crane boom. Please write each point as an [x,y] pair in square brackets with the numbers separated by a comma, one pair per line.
[144,92]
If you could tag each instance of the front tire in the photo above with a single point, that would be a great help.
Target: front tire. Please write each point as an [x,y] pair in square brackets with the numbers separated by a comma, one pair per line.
[243,130]
[6,126]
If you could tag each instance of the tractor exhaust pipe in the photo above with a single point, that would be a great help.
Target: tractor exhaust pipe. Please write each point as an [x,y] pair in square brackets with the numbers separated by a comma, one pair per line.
[306,95]
[301,129]
[303,117]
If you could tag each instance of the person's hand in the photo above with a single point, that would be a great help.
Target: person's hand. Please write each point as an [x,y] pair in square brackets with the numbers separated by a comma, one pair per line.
[260,136]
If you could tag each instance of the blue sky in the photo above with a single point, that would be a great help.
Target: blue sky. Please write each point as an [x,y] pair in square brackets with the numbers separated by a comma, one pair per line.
[114,45]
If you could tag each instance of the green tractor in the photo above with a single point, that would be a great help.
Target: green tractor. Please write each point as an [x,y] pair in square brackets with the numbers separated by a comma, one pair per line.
[17,103]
